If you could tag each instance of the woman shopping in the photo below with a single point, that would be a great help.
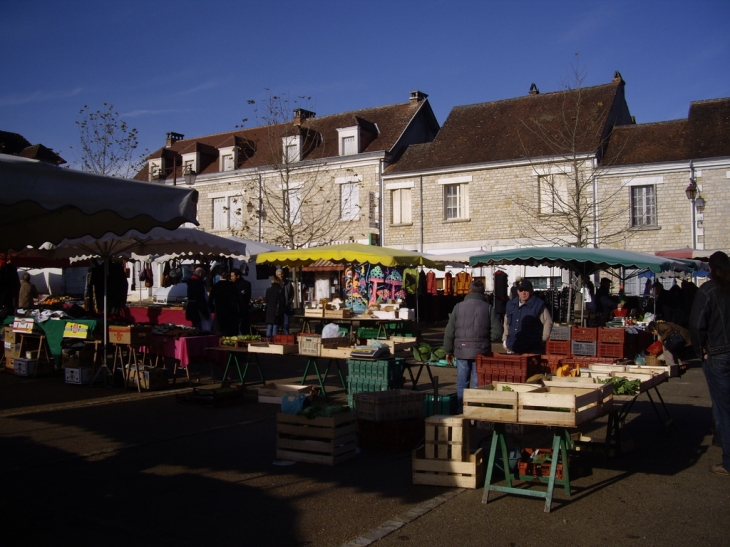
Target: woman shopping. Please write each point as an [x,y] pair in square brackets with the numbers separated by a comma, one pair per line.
[677,341]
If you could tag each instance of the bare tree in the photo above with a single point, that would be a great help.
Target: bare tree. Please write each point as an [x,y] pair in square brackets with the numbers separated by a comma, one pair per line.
[571,207]
[295,202]
[108,146]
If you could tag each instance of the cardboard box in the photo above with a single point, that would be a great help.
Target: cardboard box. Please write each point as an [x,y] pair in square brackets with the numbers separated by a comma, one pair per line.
[78,375]
[132,335]
[150,377]
[25,367]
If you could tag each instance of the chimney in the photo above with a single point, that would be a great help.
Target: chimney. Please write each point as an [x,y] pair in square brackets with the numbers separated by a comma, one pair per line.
[172,138]
[534,90]
[617,77]
[418,96]
[300,115]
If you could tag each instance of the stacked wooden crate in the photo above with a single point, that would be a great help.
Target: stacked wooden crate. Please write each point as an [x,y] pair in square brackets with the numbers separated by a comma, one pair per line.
[445,459]
[327,440]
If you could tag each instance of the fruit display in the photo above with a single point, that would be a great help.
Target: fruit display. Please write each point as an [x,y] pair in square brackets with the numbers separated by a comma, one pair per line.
[233,341]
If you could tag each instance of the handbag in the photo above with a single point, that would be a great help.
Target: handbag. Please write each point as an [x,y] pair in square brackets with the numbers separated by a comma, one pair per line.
[674,342]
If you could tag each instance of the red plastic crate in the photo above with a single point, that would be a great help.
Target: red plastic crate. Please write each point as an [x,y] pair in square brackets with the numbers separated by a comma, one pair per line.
[584,360]
[557,347]
[527,363]
[285,339]
[617,351]
[525,467]
[583,334]
[611,336]
[550,363]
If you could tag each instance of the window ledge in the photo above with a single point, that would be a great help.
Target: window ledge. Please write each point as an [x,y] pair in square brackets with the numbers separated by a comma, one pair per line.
[455,220]
[401,224]
[645,228]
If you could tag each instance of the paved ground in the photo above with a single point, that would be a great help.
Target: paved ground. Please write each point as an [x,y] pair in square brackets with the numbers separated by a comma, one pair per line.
[98,466]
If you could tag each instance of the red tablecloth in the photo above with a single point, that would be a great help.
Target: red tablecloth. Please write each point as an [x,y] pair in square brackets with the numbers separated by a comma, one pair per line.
[187,348]
[155,315]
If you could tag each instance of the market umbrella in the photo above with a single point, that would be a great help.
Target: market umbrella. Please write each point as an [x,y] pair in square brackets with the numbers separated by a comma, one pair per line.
[347,253]
[581,260]
[44,203]
[688,253]
[157,241]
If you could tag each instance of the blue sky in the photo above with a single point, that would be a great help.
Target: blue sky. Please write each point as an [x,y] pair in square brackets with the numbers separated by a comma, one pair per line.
[190,67]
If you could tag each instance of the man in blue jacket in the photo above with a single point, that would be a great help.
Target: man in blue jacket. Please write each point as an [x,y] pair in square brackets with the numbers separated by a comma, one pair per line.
[527,322]
[467,335]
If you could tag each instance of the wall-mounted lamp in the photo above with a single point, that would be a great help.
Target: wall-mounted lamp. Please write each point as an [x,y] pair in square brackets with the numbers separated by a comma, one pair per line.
[189,175]
[700,204]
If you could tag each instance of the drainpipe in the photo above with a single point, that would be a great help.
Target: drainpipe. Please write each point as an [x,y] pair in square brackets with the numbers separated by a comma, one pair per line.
[420,186]
[381,201]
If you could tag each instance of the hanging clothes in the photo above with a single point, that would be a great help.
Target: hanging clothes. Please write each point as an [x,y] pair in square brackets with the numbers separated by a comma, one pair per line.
[448,284]
[501,292]
[431,282]
[410,280]
[462,281]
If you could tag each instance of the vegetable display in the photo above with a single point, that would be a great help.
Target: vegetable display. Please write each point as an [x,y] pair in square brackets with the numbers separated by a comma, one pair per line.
[421,352]
[623,386]
[233,340]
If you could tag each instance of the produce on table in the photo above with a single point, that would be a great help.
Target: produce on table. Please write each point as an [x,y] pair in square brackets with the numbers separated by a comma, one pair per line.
[421,352]
[623,386]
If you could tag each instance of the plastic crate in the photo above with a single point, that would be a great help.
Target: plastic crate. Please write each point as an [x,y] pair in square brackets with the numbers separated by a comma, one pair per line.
[514,365]
[362,385]
[582,348]
[615,336]
[378,369]
[285,339]
[488,378]
[310,344]
[618,351]
[583,334]
[560,333]
[366,332]
[529,469]
[557,347]
[388,406]
[446,405]
[550,363]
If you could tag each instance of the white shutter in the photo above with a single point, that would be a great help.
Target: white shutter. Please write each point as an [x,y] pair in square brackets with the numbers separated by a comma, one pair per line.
[220,215]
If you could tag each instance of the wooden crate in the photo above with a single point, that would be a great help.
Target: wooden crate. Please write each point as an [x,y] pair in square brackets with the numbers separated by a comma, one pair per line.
[274,393]
[323,440]
[278,349]
[596,382]
[459,474]
[648,381]
[344,313]
[316,312]
[493,404]
[560,406]
[447,437]
[392,344]
[336,353]
[134,335]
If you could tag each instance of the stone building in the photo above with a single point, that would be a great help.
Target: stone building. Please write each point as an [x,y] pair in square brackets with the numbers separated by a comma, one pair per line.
[306,181]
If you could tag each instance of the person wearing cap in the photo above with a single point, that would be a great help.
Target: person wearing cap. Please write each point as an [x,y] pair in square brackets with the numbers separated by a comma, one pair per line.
[527,322]
[287,289]
[468,334]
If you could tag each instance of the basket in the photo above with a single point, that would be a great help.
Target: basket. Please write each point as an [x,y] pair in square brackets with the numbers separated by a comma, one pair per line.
[651,360]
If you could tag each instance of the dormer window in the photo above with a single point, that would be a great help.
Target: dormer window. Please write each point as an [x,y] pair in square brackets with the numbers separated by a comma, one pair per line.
[191,162]
[349,140]
[292,149]
[155,170]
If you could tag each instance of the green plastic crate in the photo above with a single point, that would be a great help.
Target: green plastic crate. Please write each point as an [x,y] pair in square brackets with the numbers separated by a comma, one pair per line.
[365,332]
[378,369]
[447,405]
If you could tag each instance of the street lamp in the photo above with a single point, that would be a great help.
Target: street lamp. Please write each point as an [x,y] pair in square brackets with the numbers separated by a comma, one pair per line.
[691,192]
[189,175]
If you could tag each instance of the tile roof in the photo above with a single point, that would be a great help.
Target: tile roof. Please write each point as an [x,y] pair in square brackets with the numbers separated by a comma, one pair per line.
[520,127]
[381,129]
[15,144]
[705,133]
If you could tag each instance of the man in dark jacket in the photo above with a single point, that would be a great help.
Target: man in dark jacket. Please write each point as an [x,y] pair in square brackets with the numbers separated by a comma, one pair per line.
[224,301]
[467,335]
[709,325]
[243,287]
[196,310]
[287,289]
[527,323]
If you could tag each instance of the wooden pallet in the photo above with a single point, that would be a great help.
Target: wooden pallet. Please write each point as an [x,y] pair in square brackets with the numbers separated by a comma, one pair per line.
[321,440]
[460,474]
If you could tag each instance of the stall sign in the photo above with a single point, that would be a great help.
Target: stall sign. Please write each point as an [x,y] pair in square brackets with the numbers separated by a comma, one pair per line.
[75,330]
[23,325]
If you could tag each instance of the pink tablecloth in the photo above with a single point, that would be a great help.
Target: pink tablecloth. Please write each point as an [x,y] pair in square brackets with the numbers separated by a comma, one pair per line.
[187,348]
[156,315]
